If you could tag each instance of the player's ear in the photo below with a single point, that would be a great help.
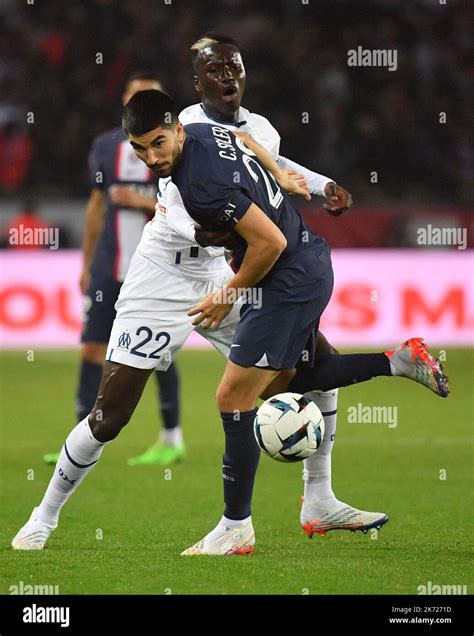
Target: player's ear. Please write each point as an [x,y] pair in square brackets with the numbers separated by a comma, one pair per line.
[179,131]
[197,85]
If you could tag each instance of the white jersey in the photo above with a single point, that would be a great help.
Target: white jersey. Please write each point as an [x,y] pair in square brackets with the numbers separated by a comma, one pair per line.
[168,240]
[178,252]
[257,126]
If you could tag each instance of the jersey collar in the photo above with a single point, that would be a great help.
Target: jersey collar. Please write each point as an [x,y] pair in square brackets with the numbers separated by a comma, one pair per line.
[224,123]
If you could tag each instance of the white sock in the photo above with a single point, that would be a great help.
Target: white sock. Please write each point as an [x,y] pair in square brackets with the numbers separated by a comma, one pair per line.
[233,523]
[172,436]
[317,469]
[224,524]
[78,457]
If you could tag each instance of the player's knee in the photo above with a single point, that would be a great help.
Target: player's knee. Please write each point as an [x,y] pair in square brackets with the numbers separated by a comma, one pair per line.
[94,352]
[106,424]
[227,397]
[235,397]
[222,397]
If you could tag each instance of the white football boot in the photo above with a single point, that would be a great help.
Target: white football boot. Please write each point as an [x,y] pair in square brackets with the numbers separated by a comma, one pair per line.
[413,360]
[231,540]
[33,535]
[341,517]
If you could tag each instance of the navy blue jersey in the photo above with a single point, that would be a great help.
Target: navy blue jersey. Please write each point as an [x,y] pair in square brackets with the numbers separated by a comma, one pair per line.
[112,161]
[219,178]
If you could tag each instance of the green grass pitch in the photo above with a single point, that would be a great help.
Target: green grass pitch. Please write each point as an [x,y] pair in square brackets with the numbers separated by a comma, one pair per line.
[124,528]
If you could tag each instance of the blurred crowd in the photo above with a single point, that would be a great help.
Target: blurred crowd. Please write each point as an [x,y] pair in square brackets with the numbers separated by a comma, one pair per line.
[63,63]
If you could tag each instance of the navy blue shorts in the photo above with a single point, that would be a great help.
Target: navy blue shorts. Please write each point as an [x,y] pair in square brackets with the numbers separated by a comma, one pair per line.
[281,333]
[99,310]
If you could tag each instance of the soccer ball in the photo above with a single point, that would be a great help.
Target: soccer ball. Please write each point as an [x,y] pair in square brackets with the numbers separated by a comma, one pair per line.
[289,427]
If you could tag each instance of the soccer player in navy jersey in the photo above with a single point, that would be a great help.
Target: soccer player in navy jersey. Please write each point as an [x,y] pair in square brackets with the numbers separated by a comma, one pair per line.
[223,185]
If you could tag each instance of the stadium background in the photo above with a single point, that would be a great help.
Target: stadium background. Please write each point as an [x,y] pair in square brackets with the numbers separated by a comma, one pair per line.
[361,121]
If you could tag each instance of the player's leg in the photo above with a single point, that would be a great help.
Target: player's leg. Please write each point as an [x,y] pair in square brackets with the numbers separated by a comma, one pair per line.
[173,297]
[90,373]
[269,337]
[321,510]
[410,360]
[236,398]
[99,315]
[169,446]
[119,393]
[319,500]
[137,346]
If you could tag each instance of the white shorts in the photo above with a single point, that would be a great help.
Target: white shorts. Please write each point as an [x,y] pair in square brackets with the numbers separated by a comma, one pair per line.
[152,324]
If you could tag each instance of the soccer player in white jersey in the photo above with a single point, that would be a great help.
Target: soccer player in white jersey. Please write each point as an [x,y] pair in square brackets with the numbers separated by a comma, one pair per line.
[220,81]
[121,202]
[168,276]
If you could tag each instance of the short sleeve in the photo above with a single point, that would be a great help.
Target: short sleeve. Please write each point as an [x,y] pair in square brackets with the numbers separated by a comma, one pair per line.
[96,168]
[214,204]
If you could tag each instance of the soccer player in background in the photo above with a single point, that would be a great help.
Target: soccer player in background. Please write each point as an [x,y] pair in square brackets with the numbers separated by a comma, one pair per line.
[121,202]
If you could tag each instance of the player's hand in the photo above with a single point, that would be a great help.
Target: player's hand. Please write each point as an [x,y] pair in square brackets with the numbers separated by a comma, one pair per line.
[84,281]
[214,238]
[297,177]
[212,310]
[293,182]
[123,196]
[339,200]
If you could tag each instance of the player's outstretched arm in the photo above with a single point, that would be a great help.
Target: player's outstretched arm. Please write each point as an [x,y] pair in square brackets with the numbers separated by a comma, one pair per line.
[283,177]
[338,199]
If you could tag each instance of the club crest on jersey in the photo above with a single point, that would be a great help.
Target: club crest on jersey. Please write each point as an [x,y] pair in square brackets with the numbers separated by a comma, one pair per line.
[124,341]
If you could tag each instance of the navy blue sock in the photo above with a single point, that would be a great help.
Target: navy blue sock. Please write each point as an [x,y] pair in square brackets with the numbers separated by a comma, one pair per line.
[168,389]
[333,370]
[240,463]
[90,375]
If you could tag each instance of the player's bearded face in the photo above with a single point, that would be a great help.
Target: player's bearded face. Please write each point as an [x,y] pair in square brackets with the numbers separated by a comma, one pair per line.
[159,148]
